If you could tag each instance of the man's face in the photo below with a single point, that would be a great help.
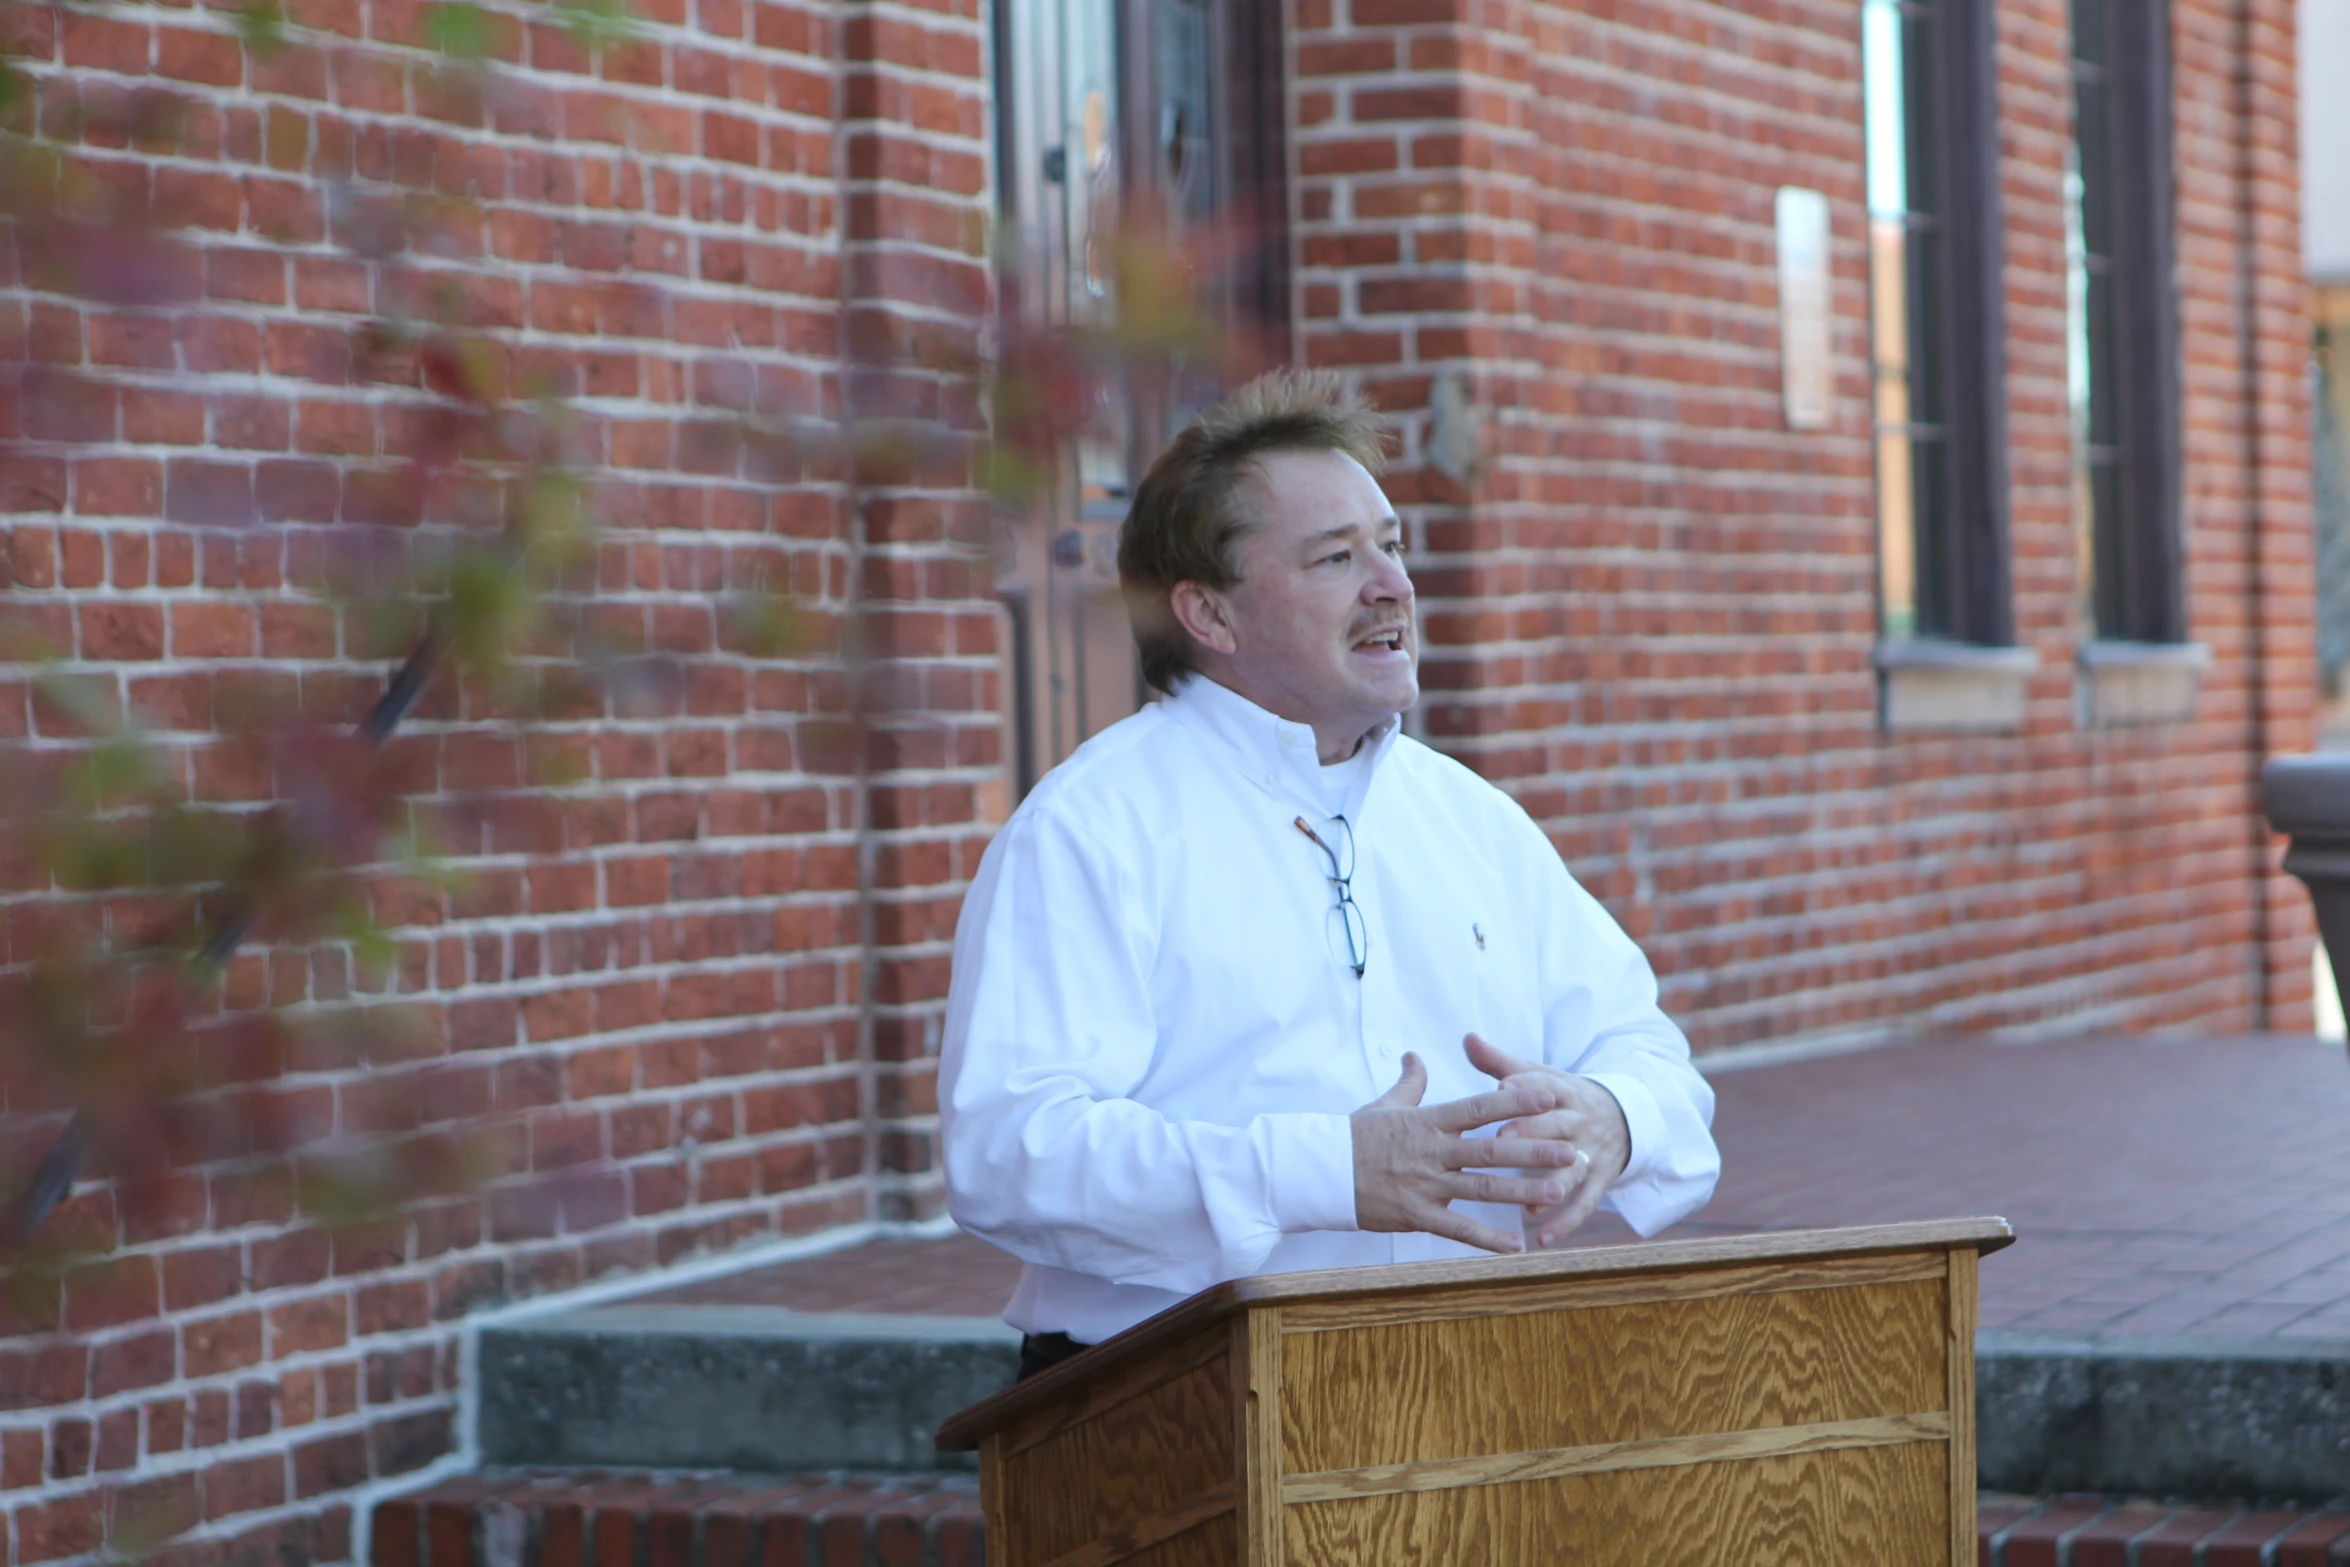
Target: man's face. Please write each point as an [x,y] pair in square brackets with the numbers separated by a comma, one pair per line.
[1322,615]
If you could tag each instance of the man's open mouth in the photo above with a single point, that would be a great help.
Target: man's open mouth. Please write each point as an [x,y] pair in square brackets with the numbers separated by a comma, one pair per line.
[1387,641]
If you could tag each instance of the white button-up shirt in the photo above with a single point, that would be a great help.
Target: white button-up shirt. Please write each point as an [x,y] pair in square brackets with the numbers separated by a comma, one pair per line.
[1154,1038]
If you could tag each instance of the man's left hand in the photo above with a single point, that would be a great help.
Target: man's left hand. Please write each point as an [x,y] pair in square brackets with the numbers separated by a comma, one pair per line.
[1587,1117]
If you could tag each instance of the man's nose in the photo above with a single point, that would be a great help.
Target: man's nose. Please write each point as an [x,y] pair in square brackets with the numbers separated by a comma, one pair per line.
[1389,581]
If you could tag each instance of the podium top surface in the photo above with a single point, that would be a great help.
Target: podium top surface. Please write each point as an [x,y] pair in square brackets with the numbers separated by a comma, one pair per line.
[966,1429]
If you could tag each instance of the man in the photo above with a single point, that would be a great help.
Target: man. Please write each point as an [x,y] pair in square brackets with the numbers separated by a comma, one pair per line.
[1254,983]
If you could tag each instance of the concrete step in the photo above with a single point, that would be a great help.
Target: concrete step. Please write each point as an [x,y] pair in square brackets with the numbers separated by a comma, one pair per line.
[2251,1420]
[771,1390]
[752,1388]
[579,1518]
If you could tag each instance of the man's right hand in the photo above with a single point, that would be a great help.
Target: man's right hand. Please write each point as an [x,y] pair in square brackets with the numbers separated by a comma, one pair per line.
[1411,1161]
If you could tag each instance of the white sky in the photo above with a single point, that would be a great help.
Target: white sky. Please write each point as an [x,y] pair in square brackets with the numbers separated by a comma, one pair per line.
[2325,137]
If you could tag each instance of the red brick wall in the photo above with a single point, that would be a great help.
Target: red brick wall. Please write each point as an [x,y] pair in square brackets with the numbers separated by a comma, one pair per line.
[702,979]
[1652,615]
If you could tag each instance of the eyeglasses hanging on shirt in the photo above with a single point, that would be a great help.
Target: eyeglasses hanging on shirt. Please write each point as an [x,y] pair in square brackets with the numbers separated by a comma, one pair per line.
[1346,920]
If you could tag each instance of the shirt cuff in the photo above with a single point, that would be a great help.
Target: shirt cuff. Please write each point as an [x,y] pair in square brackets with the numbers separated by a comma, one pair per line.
[1642,1118]
[1313,1170]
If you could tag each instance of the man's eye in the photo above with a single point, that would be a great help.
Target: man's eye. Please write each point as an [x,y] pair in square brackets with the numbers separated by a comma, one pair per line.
[1338,559]
[1394,547]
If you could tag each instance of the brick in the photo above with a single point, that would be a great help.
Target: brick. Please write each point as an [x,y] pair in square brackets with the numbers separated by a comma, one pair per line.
[213,630]
[110,1294]
[307,1326]
[218,1344]
[2315,1541]
[334,1463]
[142,1360]
[121,631]
[2106,1541]
[72,1445]
[243,1485]
[51,1531]
[2248,1541]
[2176,1541]
[217,494]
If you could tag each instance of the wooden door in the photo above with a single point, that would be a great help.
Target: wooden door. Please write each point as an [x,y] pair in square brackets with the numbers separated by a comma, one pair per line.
[1110,109]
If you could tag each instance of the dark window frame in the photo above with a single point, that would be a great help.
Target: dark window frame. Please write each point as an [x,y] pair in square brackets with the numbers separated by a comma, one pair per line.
[1957,322]
[2121,70]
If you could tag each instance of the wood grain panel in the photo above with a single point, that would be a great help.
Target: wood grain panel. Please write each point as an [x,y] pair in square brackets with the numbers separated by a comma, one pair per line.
[1015,1406]
[1960,1360]
[994,1506]
[1443,1474]
[1215,1543]
[1110,1387]
[1137,1535]
[1155,1453]
[1885,1506]
[1514,1384]
[1572,1294]
[1256,1372]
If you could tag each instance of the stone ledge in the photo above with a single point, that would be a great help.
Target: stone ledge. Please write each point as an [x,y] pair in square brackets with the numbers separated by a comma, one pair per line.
[735,1387]
[2241,1419]
[2125,683]
[1928,686]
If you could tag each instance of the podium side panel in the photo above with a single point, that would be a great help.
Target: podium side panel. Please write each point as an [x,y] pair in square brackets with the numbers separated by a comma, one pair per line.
[1256,1391]
[1501,1383]
[1887,1506]
[1961,1361]
[1146,1480]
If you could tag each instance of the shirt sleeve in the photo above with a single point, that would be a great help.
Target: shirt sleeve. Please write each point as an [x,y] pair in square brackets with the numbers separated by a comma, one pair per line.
[1601,1021]
[1050,1030]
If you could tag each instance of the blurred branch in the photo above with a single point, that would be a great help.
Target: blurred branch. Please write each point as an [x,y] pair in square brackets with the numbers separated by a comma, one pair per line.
[55,1175]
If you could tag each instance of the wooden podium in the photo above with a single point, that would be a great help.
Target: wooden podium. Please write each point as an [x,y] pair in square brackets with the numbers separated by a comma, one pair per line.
[1801,1397]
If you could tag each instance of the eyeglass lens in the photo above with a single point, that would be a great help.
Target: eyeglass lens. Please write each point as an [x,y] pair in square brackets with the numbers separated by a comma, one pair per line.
[1350,939]
[1348,915]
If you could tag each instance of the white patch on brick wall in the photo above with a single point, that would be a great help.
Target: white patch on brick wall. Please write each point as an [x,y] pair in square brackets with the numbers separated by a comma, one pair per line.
[1807,372]
[1455,434]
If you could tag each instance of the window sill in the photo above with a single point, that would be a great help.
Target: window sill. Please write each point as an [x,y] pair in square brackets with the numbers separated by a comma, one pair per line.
[2125,683]
[1928,687]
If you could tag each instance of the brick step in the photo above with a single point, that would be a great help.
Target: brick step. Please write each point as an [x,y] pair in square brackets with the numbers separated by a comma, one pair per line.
[589,1518]
[2093,1531]
[573,1518]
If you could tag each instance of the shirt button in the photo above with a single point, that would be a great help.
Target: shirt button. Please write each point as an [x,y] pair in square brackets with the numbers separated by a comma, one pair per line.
[1388,1051]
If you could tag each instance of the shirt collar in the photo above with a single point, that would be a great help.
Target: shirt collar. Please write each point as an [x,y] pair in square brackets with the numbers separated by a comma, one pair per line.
[1276,755]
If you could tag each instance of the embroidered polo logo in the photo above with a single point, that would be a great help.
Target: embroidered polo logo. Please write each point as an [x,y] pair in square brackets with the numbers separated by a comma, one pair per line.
[1478,931]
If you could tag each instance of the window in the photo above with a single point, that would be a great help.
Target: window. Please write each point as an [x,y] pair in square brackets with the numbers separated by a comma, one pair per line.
[2123,341]
[1937,327]
[2330,482]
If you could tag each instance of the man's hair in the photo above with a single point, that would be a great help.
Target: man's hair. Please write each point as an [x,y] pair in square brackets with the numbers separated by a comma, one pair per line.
[1184,520]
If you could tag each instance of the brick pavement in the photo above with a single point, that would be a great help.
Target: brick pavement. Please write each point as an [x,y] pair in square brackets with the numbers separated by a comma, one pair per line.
[2159,1187]
[2194,1186]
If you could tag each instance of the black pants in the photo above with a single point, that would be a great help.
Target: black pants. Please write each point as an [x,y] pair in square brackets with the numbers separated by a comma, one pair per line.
[1043,1351]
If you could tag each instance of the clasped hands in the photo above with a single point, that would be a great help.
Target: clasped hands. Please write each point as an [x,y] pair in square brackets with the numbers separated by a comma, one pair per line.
[1412,1161]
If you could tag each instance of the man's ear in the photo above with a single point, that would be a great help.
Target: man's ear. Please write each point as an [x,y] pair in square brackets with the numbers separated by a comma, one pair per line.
[1205,614]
